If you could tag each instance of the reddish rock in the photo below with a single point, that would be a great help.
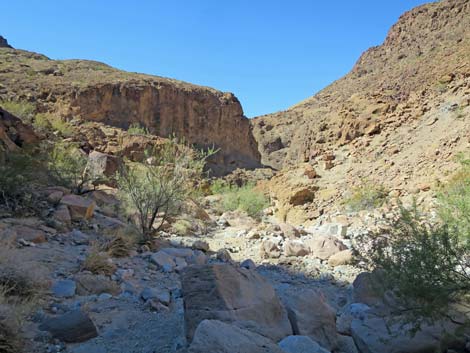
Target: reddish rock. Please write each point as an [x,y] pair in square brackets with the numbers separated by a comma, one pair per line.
[79,207]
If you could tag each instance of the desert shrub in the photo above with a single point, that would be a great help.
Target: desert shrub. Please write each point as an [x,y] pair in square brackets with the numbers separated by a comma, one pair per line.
[425,264]
[245,198]
[367,196]
[47,121]
[67,166]
[98,262]
[156,189]
[21,109]
[122,241]
[21,286]
[454,199]
[219,186]
[137,129]
[18,172]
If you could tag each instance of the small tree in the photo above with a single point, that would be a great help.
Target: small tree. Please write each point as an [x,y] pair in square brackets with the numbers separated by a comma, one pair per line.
[426,265]
[156,188]
[67,167]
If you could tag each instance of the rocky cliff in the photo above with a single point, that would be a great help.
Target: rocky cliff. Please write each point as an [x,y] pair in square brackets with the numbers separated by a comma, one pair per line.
[425,54]
[93,91]
[398,119]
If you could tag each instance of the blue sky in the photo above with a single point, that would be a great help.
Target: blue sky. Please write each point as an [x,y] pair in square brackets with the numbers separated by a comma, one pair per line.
[270,53]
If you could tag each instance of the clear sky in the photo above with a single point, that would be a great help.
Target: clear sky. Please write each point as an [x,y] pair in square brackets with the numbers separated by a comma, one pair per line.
[270,53]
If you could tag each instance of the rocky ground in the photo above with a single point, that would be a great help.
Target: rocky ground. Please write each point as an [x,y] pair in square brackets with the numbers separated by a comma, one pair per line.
[251,283]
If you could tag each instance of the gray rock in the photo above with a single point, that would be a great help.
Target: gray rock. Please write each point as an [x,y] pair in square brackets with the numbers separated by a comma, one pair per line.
[248,264]
[178,252]
[163,260]
[300,344]
[235,295]
[74,326]
[219,337]
[64,288]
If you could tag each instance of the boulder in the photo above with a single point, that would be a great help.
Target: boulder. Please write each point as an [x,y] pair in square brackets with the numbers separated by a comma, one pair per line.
[220,337]
[74,326]
[270,249]
[375,334]
[289,231]
[95,284]
[29,234]
[369,288]
[324,246]
[300,344]
[163,260]
[344,257]
[64,288]
[310,315]
[296,248]
[79,207]
[102,165]
[235,295]
[62,214]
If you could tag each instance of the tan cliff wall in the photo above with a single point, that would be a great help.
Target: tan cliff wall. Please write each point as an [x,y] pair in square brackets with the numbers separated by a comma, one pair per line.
[93,91]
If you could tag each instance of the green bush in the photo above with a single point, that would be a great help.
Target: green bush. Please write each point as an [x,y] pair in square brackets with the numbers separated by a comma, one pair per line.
[18,173]
[454,199]
[47,121]
[245,198]
[137,129]
[367,196]
[426,265]
[21,109]
[67,167]
[156,189]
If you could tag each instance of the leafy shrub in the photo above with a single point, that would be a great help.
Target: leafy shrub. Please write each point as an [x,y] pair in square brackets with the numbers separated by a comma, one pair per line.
[18,173]
[137,129]
[426,265]
[366,197]
[21,109]
[454,201]
[67,167]
[245,198]
[219,186]
[47,121]
[156,189]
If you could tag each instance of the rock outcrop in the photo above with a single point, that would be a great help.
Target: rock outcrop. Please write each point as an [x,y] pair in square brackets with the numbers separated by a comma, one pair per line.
[425,53]
[91,91]
[4,43]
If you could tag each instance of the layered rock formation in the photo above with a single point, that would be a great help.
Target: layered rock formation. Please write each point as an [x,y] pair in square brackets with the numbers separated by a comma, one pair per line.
[398,119]
[96,92]
[4,43]
[425,53]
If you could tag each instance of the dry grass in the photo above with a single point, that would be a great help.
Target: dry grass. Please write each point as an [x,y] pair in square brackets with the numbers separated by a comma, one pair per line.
[98,262]
[22,285]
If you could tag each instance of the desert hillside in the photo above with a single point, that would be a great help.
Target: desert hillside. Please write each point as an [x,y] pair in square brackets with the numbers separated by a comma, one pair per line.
[141,214]
[93,91]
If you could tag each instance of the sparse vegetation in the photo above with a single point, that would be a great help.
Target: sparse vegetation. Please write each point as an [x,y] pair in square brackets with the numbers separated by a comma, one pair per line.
[245,198]
[67,167]
[50,122]
[367,196]
[18,173]
[21,109]
[425,264]
[455,201]
[137,129]
[21,284]
[156,189]
[98,262]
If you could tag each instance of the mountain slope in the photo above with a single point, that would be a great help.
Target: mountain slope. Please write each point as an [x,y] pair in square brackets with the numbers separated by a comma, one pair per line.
[428,48]
[94,91]
[398,119]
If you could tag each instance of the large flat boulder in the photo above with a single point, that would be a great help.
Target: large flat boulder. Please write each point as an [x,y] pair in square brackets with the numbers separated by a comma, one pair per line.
[234,295]
[79,207]
[310,315]
[219,337]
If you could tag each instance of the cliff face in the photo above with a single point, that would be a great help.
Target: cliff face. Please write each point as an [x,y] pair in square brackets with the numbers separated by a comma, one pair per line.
[96,92]
[396,82]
